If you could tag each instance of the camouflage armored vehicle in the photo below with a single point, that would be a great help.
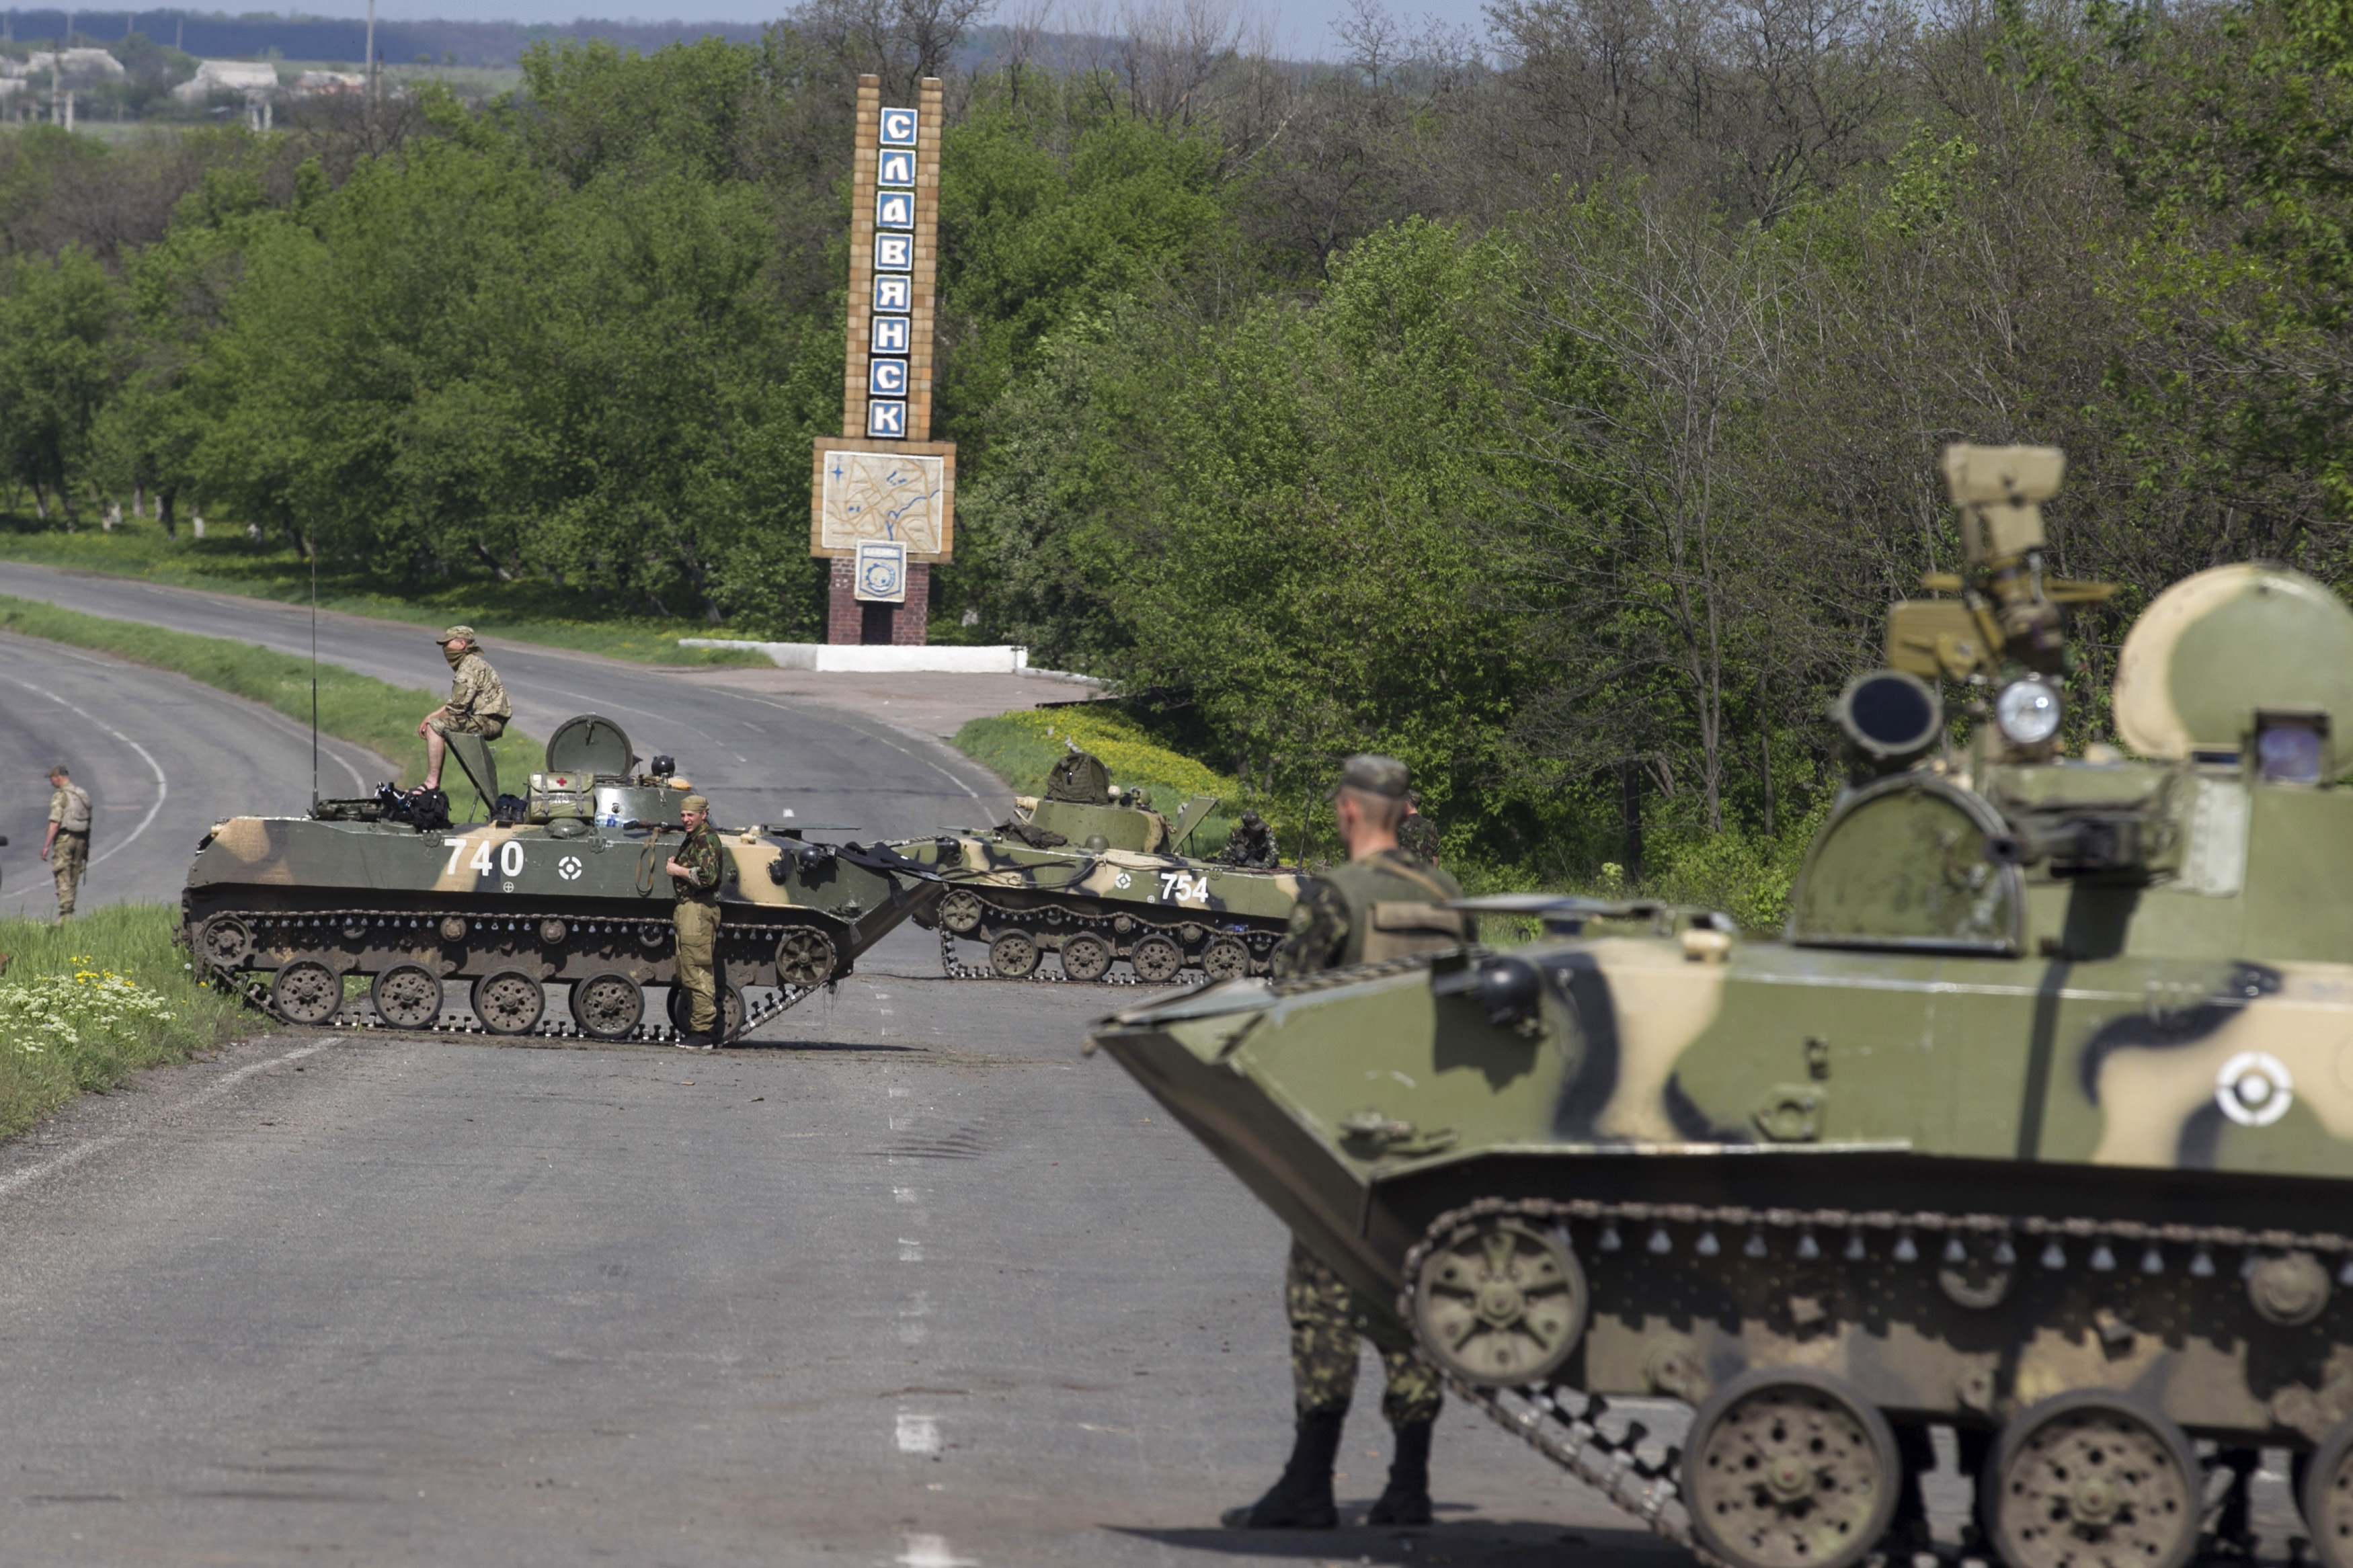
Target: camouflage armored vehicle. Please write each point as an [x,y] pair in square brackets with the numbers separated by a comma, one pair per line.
[1094,876]
[370,912]
[2036,1122]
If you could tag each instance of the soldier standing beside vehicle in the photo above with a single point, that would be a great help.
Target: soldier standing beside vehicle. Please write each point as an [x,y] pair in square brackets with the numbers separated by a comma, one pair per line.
[1381,904]
[694,879]
[477,704]
[66,848]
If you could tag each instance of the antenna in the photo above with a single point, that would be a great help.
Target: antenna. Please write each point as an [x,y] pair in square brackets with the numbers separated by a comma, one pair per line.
[314,673]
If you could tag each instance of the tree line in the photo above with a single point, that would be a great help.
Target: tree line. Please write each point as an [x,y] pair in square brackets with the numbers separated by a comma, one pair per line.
[1557,411]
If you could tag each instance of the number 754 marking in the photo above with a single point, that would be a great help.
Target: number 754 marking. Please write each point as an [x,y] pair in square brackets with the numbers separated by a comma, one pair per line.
[509,857]
[1177,886]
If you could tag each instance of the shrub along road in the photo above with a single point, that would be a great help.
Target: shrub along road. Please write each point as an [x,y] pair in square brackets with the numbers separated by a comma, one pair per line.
[912,1283]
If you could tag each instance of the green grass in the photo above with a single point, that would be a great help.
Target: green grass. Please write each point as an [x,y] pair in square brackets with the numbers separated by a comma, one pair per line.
[104,977]
[231,564]
[356,708]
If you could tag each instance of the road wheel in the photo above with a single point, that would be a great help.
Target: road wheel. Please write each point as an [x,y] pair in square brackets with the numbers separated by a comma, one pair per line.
[607,1006]
[1226,959]
[1085,956]
[804,957]
[408,996]
[1157,959]
[306,992]
[1013,956]
[1788,1467]
[2092,1476]
[960,911]
[509,1002]
[2327,1494]
[226,942]
[1500,1302]
[730,1010]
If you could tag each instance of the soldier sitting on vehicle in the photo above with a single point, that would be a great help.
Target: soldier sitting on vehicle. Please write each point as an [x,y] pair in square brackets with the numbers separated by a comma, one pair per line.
[477,704]
[1252,844]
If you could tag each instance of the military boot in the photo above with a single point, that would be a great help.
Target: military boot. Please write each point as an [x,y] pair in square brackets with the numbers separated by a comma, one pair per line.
[1301,1499]
[1406,1499]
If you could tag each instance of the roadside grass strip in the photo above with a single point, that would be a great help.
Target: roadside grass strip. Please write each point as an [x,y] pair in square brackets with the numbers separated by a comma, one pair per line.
[352,707]
[85,1004]
[1021,748]
[502,612]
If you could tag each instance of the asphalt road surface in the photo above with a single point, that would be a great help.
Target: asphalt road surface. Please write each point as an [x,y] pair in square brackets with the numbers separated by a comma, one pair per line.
[164,755]
[909,1282]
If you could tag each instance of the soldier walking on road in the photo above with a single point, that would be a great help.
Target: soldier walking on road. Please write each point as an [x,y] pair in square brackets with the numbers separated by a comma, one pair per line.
[694,878]
[1381,904]
[477,704]
[66,848]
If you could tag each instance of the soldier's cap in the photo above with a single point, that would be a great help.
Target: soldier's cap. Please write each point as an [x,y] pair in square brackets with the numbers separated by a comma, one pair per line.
[695,802]
[1374,775]
[451,634]
[59,770]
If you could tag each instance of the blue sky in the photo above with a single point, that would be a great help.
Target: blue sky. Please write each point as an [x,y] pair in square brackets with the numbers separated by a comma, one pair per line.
[1302,28]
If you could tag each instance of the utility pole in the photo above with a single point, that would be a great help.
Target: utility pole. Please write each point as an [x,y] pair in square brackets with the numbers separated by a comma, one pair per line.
[371,60]
[58,74]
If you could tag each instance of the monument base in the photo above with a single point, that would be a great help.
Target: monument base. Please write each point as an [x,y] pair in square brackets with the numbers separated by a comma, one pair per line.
[851,620]
[945,658]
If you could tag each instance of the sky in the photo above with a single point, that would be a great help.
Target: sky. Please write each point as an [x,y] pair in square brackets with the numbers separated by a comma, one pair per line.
[1303,29]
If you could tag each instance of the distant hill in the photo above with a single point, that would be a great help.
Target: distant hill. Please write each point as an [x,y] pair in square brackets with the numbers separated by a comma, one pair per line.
[254,34]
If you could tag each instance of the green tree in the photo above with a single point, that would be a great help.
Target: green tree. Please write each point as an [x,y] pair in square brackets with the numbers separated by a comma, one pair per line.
[57,366]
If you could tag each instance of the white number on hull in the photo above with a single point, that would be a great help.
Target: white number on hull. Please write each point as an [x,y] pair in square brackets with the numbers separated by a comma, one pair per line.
[510,860]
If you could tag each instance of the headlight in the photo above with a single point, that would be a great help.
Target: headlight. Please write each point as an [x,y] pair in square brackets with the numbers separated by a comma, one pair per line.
[2027,711]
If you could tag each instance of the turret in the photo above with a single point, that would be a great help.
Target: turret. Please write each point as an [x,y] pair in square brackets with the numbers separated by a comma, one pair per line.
[2228,691]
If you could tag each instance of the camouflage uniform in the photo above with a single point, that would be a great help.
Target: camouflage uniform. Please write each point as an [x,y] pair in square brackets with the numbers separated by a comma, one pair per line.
[1252,845]
[70,856]
[478,704]
[1382,906]
[695,917]
[1417,836]
[1330,928]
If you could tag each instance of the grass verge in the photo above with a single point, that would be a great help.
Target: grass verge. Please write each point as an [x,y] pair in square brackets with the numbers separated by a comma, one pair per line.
[502,612]
[356,708]
[85,1004]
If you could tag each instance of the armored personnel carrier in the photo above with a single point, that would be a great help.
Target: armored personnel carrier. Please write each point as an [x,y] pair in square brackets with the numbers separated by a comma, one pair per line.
[371,912]
[2036,1122]
[1094,876]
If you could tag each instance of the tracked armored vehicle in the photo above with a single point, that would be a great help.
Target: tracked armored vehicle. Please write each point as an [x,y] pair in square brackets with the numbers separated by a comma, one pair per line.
[554,919]
[2035,1123]
[1093,878]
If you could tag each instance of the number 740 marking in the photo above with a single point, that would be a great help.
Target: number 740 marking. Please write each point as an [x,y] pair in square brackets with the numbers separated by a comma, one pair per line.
[510,858]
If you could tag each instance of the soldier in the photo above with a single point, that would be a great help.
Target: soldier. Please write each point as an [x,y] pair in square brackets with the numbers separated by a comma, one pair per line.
[694,879]
[66,848]
[1417,834]
[1252,844]
[477,704]
[1381,904]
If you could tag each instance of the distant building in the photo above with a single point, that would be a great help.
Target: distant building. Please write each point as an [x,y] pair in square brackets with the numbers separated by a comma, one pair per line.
[330,82]
[75,65]
[252,77]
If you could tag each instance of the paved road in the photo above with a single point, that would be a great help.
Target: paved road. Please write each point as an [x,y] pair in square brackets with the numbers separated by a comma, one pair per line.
[162,755]
[911,1284]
